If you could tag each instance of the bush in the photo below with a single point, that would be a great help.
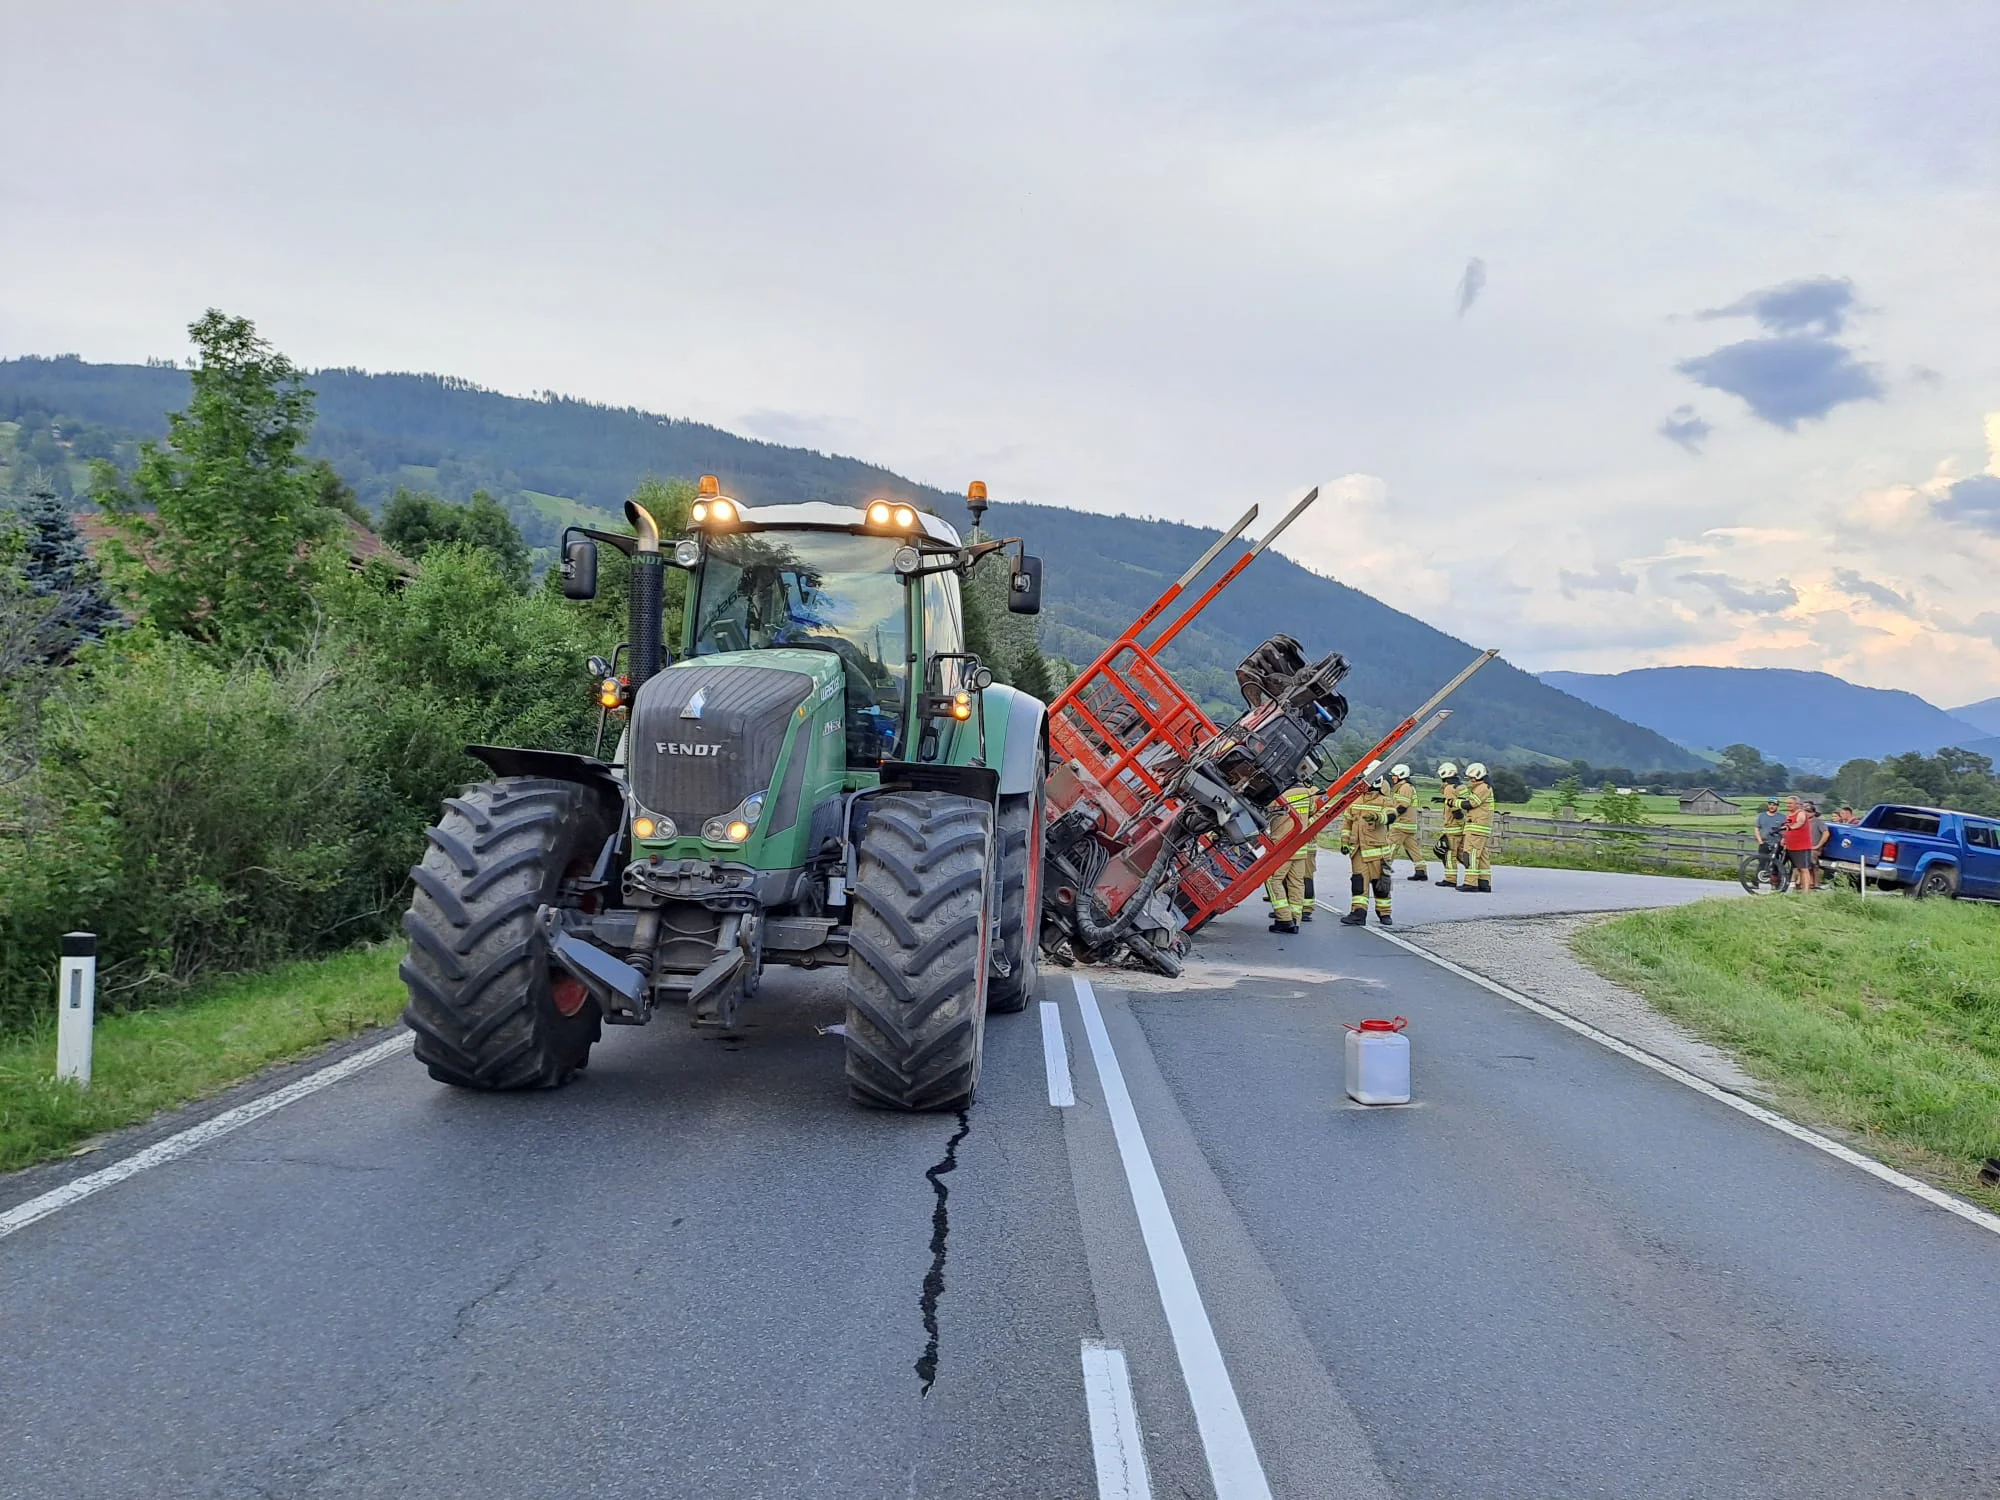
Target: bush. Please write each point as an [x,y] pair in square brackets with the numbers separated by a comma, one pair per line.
[207,819]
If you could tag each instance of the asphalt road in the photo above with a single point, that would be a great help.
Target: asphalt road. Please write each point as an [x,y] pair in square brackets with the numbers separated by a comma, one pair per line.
[701,1272]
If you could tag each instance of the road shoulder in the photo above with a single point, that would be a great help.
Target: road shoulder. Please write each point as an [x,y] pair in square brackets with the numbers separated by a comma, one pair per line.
[1532,955]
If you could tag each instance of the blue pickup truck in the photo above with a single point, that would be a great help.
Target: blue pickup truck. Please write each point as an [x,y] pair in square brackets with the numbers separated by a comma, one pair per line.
[1927,851]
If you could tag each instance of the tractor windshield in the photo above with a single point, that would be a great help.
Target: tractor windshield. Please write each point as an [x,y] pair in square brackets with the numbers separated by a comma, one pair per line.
[821,590]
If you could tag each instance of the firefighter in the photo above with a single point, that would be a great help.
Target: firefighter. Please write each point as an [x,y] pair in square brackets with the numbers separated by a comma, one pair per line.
[1371,820]
[1404,791]
[1476,802]
[1286,888]
[1453,838]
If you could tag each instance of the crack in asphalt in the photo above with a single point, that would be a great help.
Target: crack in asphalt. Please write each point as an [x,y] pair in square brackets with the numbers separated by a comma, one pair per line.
[927,1362]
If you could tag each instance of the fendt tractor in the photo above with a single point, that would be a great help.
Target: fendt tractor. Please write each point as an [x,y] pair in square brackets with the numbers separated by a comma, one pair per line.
[824,776]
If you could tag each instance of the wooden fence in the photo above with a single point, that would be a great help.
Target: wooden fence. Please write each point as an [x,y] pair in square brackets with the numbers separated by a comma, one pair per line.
[1649,843]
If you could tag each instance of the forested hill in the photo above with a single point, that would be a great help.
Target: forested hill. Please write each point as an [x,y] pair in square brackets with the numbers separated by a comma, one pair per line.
[550,459]
[1792,716]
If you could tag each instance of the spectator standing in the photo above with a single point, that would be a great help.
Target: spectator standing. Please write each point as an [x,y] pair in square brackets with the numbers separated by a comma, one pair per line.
[1770,831]
[1821,833]
[1847,814]
[1798,837]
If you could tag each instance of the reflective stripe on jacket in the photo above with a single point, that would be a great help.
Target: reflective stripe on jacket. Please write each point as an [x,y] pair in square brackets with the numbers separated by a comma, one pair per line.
[1477,801]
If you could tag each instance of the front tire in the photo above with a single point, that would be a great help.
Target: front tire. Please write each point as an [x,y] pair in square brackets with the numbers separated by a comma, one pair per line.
[486,1008]
[918,951]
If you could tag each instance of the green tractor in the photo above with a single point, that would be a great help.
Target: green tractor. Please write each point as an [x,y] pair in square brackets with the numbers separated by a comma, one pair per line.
[825,776]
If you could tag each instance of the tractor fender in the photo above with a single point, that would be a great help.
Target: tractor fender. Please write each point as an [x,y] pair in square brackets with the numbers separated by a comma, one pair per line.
[1026,729]
[557,765]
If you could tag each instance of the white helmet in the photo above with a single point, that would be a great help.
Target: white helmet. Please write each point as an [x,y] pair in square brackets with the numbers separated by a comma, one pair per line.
[1477,770]
[1447,771]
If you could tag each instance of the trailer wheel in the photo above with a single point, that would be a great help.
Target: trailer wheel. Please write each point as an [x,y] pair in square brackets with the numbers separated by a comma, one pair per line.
[1020,825]
[486,1008]
[918,951]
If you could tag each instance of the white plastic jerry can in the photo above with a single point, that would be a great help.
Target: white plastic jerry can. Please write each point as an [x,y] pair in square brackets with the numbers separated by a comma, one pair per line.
[1378,1062]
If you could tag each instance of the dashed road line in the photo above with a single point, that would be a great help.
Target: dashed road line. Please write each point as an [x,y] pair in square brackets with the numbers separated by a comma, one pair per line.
[1936,1197]
[1116,1443]
[174,1147]
[1055,1054]
[1233,1466]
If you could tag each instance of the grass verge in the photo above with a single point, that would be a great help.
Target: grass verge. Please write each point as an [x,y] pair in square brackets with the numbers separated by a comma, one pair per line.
[147,1060]
[1878,1016]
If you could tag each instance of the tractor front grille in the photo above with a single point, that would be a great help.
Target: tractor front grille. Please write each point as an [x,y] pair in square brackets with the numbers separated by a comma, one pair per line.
[695,765]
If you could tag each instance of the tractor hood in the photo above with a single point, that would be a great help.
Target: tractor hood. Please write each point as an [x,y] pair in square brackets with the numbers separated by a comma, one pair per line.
[707,733]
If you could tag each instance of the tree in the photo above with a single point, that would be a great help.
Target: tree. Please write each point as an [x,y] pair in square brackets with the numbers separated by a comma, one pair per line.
[1032,675]
[1567,791]
[1509,785]
[336,493]
[414,523]
[57,568]
[225,519]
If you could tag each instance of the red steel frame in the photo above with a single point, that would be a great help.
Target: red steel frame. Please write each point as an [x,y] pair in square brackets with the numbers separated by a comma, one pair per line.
[1124,726]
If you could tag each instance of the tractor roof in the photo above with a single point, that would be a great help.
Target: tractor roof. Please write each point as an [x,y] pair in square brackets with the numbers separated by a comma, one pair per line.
[825,514]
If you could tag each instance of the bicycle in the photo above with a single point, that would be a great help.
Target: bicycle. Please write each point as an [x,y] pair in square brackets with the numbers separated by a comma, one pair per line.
[1769,869]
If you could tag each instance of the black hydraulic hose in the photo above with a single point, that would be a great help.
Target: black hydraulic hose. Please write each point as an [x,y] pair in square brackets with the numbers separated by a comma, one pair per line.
[1102,936]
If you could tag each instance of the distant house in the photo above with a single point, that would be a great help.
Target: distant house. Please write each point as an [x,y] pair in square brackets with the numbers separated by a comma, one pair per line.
[1708,803]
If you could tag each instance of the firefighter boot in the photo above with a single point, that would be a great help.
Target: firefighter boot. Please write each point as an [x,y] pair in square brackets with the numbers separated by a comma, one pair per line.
[1423,873]
[1486,887]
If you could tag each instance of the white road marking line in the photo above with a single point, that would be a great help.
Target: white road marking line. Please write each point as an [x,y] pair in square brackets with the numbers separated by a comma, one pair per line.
[1055,1053]
[1936,1197]
[21,1215]
[1233,1465]
[1115,1439]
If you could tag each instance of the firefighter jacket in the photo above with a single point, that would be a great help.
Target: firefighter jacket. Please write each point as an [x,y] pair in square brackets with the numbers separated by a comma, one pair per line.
[1367,828]
[1476,801]
[1405,795]
[1297,802]
[1454,809]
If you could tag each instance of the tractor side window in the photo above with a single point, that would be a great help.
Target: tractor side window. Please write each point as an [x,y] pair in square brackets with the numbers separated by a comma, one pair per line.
[944,628]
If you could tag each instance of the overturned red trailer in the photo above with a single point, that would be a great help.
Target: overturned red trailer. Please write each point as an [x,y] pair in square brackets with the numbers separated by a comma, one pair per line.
[1159,819]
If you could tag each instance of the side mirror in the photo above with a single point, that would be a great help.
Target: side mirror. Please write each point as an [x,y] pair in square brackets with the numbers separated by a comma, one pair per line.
[1024,587]
[579,569]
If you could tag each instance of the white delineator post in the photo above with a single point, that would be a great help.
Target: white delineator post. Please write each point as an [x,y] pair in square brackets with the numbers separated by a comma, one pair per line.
[76,1005]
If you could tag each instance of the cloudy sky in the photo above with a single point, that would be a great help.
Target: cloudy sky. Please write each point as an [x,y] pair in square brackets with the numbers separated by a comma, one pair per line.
[1620,334]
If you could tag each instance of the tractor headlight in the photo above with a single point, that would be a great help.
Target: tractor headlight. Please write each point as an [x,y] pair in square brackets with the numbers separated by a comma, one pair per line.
[734,826]
[646,826]
[907,560]
[687,552]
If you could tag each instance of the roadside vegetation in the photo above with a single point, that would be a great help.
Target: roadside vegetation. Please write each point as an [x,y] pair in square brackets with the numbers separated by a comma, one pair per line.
[1878,1016]
[216,1034]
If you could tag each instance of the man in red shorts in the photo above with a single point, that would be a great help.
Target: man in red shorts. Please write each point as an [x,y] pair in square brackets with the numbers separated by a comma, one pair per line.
[1799,844]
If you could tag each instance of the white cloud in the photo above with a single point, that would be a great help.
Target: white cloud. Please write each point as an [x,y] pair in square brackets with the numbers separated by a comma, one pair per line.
[1125,257]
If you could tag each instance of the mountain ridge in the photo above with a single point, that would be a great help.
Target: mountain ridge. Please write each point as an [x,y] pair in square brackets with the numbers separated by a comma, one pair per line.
[545,457]
[1790,715]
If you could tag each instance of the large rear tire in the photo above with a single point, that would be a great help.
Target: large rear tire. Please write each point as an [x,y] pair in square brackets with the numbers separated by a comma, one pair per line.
[918,951]
[486,1008]
[1020,826]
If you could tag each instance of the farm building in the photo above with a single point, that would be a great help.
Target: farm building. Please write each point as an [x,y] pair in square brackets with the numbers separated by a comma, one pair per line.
[1707,803]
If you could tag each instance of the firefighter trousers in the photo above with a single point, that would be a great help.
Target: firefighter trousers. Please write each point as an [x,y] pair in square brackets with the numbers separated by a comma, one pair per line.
[1287,890]
[1477,866]
[1404,837]
[1369,874]
[1454,853]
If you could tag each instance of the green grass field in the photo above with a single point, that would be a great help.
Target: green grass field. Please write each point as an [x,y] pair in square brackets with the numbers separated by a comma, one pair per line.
[1877,1016]
[148,1060]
